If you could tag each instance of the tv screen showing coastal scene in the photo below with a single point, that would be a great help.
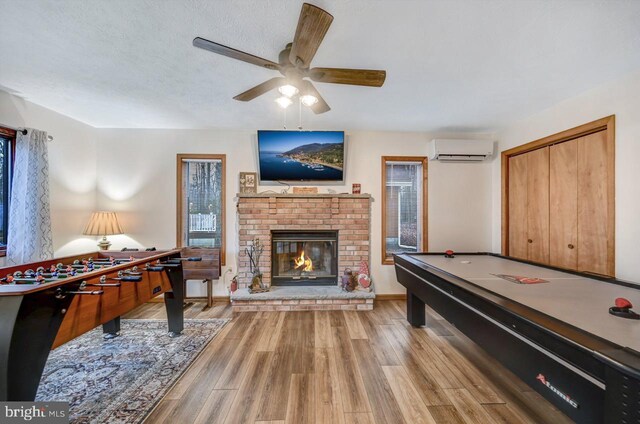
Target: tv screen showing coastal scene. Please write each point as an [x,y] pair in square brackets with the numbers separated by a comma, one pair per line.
[301,155]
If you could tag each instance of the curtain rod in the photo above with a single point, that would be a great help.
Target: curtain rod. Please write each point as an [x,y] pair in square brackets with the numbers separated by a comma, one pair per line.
[24,131]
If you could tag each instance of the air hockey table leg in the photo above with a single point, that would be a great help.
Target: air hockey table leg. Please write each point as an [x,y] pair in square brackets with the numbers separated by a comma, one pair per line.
[416,314]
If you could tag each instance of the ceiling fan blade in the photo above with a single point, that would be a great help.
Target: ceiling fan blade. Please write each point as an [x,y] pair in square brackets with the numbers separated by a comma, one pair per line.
[260,89]
[313,24]
[321,106]
[233,53]
[367,77]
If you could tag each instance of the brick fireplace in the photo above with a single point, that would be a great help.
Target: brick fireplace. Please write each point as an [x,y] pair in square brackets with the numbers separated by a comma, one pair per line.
[264,216]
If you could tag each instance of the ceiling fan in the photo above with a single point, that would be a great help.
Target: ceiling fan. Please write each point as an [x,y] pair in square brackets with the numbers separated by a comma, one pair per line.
[294,63]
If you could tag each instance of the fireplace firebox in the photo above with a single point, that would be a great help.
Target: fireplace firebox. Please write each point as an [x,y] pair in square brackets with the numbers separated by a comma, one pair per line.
[304,258]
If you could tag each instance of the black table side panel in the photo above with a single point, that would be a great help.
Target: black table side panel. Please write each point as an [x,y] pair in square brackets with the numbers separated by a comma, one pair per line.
[568,342]
[624,359]
[523,360]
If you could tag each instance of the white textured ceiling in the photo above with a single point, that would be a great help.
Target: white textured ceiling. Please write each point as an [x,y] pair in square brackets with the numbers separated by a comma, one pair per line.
[451,65]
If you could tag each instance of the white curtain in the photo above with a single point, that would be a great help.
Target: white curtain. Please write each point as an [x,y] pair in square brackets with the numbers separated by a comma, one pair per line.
[29,233]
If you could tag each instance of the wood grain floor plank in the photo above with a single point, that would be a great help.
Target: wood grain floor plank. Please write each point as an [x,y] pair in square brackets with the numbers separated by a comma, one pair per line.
[313,352]
[515,392]
[503,414]
[463,371]
[304,342]
[273,406]
[426,384]
[244,408]
[323,334]
[294,354]
[359,418]
[354,395]
[429,357]
[161,411]
[378,316]
[397,309]
[206,371]
[301,407]
[216,407]
[242,320]
[234,372]
[411,405]
[356,330]
[328,403]
[270,332]
[337,319]
[445,414]
[468,407]
[384,353]
[384,405]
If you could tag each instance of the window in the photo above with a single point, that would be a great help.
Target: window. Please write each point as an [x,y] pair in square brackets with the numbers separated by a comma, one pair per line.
[404,205]
[7,144]
[201,201]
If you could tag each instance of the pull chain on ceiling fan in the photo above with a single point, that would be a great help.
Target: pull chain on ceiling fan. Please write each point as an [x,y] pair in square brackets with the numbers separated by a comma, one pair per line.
[294,63]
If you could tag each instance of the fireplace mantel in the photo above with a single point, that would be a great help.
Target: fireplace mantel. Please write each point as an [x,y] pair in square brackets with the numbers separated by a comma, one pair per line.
[261,213]
[305,195]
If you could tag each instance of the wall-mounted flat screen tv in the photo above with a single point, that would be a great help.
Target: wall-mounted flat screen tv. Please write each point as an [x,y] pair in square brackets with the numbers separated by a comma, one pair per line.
[301,155]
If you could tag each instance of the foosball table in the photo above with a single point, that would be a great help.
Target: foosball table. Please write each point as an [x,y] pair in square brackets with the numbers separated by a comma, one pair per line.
[45,304]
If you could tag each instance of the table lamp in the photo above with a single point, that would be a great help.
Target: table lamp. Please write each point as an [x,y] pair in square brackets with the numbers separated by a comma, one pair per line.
[103,224]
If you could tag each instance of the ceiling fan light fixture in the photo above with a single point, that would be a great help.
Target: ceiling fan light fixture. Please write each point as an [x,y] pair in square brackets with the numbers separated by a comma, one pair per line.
[284,102]
[288,90]
[309,100]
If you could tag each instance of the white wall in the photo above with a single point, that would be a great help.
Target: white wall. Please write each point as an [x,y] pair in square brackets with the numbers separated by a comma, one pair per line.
[622,98]
[134,171]
[137,178]
[72,170]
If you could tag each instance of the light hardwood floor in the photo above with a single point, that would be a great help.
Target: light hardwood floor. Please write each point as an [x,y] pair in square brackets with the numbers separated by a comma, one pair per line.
[343,367]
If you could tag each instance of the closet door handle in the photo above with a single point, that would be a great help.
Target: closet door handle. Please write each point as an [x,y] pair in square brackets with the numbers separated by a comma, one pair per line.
[570,246]
[530,241]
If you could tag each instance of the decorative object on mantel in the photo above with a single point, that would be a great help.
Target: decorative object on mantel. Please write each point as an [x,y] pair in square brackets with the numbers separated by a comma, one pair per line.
[355,188]
[254,252]
[305,190]
[234,284]
[364,280]
[248,182]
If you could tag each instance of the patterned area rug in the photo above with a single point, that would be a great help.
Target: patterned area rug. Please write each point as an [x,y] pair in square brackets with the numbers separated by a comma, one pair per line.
[122,379]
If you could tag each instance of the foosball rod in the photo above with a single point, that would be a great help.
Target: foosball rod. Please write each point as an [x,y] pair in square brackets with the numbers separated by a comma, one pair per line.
[191,259]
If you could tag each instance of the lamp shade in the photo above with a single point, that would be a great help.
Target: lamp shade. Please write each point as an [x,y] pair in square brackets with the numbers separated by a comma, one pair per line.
[103,224]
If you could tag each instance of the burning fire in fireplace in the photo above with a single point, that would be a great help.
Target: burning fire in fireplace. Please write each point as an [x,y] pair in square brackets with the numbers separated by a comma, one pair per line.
[303,262]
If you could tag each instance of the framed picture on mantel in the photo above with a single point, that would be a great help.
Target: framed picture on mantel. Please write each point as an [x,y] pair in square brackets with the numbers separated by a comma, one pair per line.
[248,182]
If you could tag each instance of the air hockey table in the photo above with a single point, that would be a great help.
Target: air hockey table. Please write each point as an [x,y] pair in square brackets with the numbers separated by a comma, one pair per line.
[550,327]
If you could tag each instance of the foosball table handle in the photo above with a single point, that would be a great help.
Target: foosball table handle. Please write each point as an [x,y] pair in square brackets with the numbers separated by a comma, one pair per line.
[61,294]
[191,259]
[154,268]
[89,292]
[100,284]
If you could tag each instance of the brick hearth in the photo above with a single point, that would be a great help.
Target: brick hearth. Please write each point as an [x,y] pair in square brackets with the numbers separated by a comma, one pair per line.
[349,214]
[302,299]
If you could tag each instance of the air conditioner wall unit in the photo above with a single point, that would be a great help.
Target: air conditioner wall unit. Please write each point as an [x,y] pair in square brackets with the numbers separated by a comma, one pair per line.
[460,150]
